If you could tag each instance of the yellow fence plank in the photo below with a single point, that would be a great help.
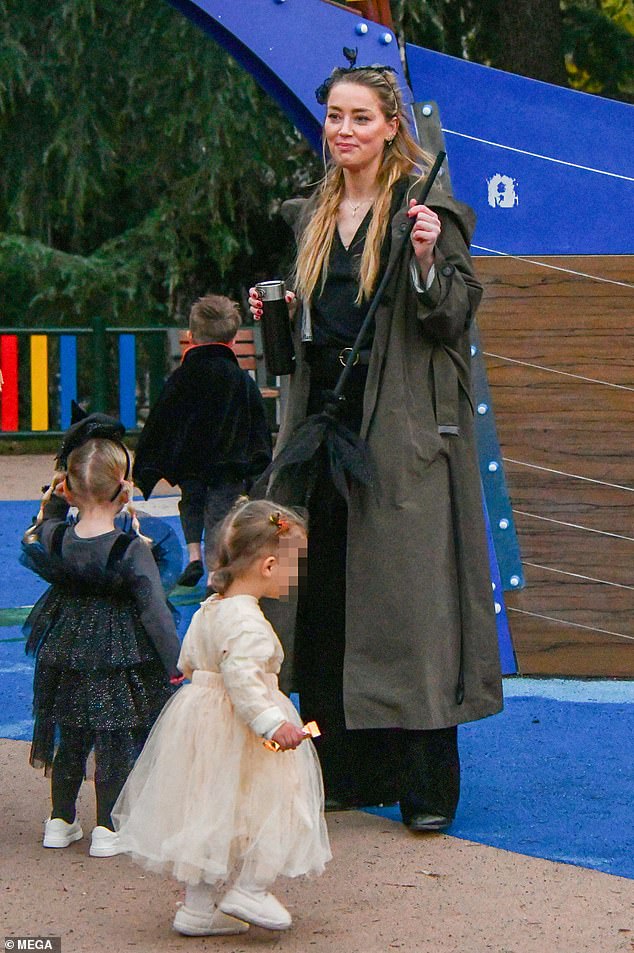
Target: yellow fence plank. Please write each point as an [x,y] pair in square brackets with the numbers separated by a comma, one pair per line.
[39,382]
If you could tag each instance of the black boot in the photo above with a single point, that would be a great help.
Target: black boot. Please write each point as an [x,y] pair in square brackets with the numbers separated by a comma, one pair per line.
[192,573]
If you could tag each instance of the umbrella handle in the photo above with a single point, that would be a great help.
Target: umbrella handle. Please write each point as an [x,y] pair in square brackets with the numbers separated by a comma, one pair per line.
[389,271]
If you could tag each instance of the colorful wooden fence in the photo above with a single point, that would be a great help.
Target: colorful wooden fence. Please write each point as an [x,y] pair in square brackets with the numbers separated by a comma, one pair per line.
[41,370]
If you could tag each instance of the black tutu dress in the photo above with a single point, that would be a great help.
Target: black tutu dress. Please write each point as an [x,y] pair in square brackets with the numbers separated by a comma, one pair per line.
[101,673]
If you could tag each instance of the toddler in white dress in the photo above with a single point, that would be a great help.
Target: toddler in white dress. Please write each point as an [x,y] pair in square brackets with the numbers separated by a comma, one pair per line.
[208,800]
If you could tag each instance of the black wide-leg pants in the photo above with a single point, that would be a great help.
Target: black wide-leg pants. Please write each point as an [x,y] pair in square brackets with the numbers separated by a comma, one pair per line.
[421,769]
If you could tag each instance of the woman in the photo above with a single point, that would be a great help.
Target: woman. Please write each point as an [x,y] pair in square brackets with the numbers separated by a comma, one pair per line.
[395,640]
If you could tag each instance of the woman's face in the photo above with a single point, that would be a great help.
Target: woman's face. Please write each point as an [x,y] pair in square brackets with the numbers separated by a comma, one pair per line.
[355,128]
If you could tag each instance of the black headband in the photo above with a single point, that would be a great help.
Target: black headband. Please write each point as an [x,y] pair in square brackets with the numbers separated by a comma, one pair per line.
[85,427]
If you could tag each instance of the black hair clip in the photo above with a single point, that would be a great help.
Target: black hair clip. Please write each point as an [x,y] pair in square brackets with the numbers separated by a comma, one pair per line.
[351,54]
[322,91]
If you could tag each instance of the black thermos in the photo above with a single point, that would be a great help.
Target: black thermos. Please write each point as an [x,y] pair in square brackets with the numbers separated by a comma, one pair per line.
[279,354]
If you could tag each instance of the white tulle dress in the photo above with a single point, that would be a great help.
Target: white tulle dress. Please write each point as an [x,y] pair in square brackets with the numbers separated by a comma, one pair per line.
[206,799]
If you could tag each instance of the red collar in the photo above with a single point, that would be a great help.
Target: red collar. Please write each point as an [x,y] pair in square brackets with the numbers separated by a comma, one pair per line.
[190,347]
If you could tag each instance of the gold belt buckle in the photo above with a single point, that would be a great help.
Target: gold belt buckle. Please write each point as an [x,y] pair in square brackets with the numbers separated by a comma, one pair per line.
[343,356]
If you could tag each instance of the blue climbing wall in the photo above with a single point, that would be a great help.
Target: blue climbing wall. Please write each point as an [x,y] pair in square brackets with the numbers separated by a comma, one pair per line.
[549,171]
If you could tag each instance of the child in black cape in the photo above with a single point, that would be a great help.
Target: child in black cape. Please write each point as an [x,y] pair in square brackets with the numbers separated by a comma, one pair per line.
[207,432]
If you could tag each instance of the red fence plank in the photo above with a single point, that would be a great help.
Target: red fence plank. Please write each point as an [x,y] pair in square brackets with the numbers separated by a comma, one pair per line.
[9,368]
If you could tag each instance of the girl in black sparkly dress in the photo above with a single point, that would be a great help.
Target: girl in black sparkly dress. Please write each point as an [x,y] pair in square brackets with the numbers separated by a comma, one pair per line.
[103,636]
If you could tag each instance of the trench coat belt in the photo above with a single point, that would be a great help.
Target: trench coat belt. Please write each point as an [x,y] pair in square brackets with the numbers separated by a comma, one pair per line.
[446,392]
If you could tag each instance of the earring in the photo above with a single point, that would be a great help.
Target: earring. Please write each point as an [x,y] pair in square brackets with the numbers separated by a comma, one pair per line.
[388,142]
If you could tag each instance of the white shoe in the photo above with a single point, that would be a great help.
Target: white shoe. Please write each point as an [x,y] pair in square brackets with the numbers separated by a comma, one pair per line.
[197,923]
[58,833]
[104,843]
[260,908]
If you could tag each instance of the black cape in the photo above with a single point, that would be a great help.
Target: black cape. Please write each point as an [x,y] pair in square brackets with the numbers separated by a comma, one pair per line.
[208,424]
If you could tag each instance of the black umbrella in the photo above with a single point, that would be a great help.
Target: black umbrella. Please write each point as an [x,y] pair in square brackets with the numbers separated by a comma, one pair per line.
[347,454]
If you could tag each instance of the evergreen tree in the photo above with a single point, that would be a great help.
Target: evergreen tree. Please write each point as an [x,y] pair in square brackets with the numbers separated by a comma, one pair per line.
[137,172]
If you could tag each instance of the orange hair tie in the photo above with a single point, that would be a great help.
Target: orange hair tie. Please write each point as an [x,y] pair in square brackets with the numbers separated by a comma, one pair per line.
[282,525]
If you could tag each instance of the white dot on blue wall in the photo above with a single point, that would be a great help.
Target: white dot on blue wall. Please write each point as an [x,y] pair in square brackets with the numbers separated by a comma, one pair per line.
[474,350]
[386,38]
[514,580]
[504,523]
[498,608]
[361,29]
[482,409]
[493,466]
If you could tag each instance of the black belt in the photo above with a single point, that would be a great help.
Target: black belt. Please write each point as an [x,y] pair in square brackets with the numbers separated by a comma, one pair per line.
[318,353]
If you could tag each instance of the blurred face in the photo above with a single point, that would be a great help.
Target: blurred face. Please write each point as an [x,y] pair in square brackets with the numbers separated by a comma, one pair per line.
[289,564]
[355,128]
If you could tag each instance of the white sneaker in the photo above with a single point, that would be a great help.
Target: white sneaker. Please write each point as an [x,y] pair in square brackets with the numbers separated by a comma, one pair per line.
[104,843]
[58,833]
[259,908]
[197,923]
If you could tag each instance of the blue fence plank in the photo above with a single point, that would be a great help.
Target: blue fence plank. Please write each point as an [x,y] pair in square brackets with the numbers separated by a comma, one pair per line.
[127,380]
[68,376]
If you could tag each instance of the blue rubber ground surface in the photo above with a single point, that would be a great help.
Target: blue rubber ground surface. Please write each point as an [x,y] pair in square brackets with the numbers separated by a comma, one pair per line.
[551,777]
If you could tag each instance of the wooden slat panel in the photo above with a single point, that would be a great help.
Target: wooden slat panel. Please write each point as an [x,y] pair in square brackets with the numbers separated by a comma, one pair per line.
[578,601]
[548,421]
[549,648]
[244,349]
[562,498]
[569,550]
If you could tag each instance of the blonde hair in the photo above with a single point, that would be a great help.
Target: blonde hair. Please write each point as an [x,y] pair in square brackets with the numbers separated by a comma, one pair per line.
[253,528]
[214,318]
[400,158]
[97,472]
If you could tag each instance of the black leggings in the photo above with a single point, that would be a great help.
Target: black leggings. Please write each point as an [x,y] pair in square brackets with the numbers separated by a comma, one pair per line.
[203,508]
[68,772]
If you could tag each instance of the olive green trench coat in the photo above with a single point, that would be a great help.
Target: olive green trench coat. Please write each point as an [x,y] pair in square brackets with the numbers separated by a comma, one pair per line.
[419,605]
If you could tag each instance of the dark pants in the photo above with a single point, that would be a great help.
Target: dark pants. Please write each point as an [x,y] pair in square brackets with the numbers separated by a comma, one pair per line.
[421,769]
[202,508]
[68,772]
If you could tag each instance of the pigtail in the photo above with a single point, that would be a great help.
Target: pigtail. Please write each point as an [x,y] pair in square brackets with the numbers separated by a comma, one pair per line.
[127,488]
[31,534]
[221,579]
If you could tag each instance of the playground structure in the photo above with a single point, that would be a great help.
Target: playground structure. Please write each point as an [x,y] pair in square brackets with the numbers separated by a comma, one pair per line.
[549,173]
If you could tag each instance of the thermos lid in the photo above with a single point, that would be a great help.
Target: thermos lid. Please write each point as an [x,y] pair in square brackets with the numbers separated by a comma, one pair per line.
[271,290]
